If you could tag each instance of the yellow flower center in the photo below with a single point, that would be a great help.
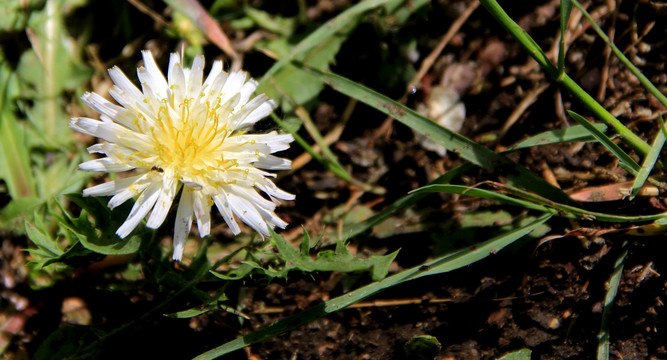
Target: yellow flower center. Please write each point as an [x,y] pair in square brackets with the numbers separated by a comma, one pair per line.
[189,136]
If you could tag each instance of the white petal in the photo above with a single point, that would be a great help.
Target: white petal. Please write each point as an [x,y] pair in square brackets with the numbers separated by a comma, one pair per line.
[133,190]
[216,70]
[245,92]
[248,213]
[256,109]
[202,211]
[272,219]
[195,76]
[158,83]
[223,206]
[233,84]
[115,112]
[111,187]
[270,162]
[176,80]
[141,207]
[163,203]
[183,223]
[124,84]
[107,130]
[152,89]
[272,190]
[105,165]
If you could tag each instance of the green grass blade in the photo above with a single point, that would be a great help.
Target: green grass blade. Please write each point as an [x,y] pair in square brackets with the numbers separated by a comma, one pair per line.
[571,134]
[482,193]
[330,163]
[467,149]
[330,28]
[625,161]
[443,264]
[603,336]
[649,161]
[646,83]
[634,141]
[402,203]
[565,11]
[531,201]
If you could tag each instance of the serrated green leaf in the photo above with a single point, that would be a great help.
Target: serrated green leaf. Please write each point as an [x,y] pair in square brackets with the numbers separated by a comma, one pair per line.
[339,259]
[40,237]
[273,23]
[100,236]
[449,262]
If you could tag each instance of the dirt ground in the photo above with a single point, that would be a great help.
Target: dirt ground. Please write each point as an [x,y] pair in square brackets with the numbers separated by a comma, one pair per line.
[543,294]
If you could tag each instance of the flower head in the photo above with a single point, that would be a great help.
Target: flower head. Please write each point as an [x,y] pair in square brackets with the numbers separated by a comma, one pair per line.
[185,134]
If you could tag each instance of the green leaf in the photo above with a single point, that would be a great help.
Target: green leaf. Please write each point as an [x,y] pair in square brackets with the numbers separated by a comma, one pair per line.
[533,202]
[614,281]
[192,312]
[443,264]
[649,161]
[57,68]
[100,236]
[14,16]
[273,23]
[320,36]
[625,161]
[646,83]
[571,134]
[565,11]
[66,342]
[339,259]
[422,347]
[523,354]
[630,138]
[466,148]
[38,234]
[15,166]
[295,86]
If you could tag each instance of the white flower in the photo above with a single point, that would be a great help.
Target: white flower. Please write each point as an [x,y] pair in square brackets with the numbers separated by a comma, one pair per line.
[180,133]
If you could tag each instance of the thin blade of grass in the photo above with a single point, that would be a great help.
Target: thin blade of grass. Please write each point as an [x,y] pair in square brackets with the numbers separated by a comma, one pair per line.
[533,202]
[625,161]
[330,163]
[634,141]
[614,281]
[575,133]
[565,10]
[466,148]
[325,31]
[649,161]
[443,264]
[646,83]
[402,203]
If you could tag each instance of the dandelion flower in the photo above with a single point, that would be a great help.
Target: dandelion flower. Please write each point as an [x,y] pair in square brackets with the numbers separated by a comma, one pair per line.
[186,134]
